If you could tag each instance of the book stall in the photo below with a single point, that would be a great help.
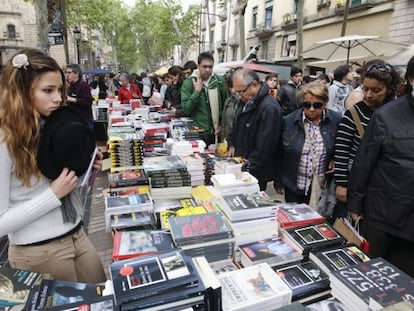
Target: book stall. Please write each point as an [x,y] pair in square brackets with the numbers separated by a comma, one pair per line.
[192,231]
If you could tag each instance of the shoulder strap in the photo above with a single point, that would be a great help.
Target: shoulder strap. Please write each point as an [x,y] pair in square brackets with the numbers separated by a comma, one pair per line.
[357,121]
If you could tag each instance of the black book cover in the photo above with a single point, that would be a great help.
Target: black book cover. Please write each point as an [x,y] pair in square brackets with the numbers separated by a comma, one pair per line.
[304,279]
[145,276]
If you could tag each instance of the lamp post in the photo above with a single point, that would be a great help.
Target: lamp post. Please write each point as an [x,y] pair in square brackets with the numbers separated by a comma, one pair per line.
[78,36]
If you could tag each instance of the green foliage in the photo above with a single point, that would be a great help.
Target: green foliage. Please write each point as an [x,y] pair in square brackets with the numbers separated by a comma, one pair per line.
[142,36]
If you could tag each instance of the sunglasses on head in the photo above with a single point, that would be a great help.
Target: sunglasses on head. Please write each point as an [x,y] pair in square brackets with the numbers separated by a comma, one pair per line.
[317,105]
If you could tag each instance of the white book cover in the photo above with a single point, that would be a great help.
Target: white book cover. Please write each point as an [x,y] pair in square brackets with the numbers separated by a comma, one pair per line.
[254,288]
[233,180]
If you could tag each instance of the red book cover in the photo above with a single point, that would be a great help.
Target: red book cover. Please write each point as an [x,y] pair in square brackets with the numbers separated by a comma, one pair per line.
[295,215]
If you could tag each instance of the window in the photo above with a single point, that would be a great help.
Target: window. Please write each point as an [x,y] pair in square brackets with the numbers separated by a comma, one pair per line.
[11,31]
[254,17]
[233,54]
[223,32]
[356,2]
[289,45]
[264,48]
[211,39]
[268,15]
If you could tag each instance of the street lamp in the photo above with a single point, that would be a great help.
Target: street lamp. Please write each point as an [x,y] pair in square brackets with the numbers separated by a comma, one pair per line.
[77,34]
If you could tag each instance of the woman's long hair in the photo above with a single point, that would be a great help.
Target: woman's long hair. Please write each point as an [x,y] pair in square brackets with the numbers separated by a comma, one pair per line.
[19,120]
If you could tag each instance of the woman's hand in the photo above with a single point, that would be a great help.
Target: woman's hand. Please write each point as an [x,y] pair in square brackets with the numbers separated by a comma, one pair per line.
[341,193]
[331,167]
[97,165]
[65,183]
[230,153]
[355,217]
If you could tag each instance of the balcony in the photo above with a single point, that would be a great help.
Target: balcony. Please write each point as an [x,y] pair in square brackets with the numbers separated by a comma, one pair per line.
[289,20]
[263,31]
[234,42]
[364,5]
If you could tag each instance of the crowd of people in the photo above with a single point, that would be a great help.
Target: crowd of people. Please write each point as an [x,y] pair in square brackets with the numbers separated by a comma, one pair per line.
[298,135]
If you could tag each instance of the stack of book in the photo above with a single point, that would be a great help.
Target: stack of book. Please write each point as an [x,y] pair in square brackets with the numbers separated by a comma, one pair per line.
[126,150]
[372,285]
[274,251]
[338,257]
[195,167]
[252,215]
[235,183]
[228,165]
[129,181]
[185,147]
[169,178]
[135,243]
[185,129]
[121,211]
[306,280]
[163,281]
[254,288]
[206,235]
[292,215]
[61,295]
[312,237]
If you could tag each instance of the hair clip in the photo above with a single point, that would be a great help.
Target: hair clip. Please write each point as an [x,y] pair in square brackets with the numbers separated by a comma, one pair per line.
[385,67]
[20,60]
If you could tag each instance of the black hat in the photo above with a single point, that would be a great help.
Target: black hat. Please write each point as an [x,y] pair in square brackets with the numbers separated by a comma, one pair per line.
[65,141]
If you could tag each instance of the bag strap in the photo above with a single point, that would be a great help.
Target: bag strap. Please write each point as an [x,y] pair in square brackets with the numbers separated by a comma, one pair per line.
[357,121]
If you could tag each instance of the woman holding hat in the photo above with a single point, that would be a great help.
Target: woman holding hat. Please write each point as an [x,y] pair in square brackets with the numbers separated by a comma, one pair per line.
[36,212]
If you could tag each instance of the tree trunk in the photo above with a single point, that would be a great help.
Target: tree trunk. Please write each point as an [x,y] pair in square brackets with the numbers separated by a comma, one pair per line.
[40,7]
[299,37]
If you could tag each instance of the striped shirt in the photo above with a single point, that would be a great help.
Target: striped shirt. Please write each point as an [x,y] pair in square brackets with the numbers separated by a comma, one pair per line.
[313,146]
[347,142]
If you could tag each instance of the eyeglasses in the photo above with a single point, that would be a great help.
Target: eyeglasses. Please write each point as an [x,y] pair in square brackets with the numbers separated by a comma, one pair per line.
[244,90]
[308,105]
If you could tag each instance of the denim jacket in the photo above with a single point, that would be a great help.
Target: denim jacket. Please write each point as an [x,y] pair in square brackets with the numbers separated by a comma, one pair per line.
[293,139]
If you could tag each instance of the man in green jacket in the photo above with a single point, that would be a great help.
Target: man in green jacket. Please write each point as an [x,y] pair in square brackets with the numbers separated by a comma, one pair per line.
[202,97]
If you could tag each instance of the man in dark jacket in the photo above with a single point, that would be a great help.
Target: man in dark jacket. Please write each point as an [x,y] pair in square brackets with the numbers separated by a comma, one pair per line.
[257,126]
[381,184]
[287,92]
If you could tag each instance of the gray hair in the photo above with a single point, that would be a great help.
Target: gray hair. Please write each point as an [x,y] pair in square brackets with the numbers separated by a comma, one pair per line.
[247,75]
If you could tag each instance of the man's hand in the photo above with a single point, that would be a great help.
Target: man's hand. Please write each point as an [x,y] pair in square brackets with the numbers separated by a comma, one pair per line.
[65,183]
[198,84]
[341,193]
[230,153]
[98,160]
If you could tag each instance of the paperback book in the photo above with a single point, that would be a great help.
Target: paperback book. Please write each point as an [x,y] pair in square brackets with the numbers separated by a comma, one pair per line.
[126,204]
[15,285]
[296,215]
[101,303]
[55,292]
[274,251]
[254,288]
[128,178]
[134,243]
[371,285]
[338,257]
[193,229]
[313,237]
[145,276]
[245,206]
[306,280]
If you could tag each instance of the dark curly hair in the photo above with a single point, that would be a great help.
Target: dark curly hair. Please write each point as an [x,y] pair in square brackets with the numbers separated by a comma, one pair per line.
[386,73]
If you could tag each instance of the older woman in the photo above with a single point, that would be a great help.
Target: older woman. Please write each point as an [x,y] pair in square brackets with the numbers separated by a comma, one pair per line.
[128,90]
[308,138]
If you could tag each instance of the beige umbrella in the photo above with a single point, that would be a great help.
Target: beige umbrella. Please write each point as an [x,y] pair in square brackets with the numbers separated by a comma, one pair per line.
[162,71]
[357,45]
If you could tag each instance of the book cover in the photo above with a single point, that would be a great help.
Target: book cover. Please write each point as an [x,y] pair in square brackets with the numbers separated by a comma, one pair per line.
[129,220]
[185,211]
[164,163]
[129,203]
[254,288]
[224,266]
[15,284]
[338,257]
[193,229]
[101,303]
[274,251]
[374,284]
[249,205]
[55,292]
[128,178]
[313,237]
[150,275]
[306,280]
[128,244]
[233,180]
[295,215]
